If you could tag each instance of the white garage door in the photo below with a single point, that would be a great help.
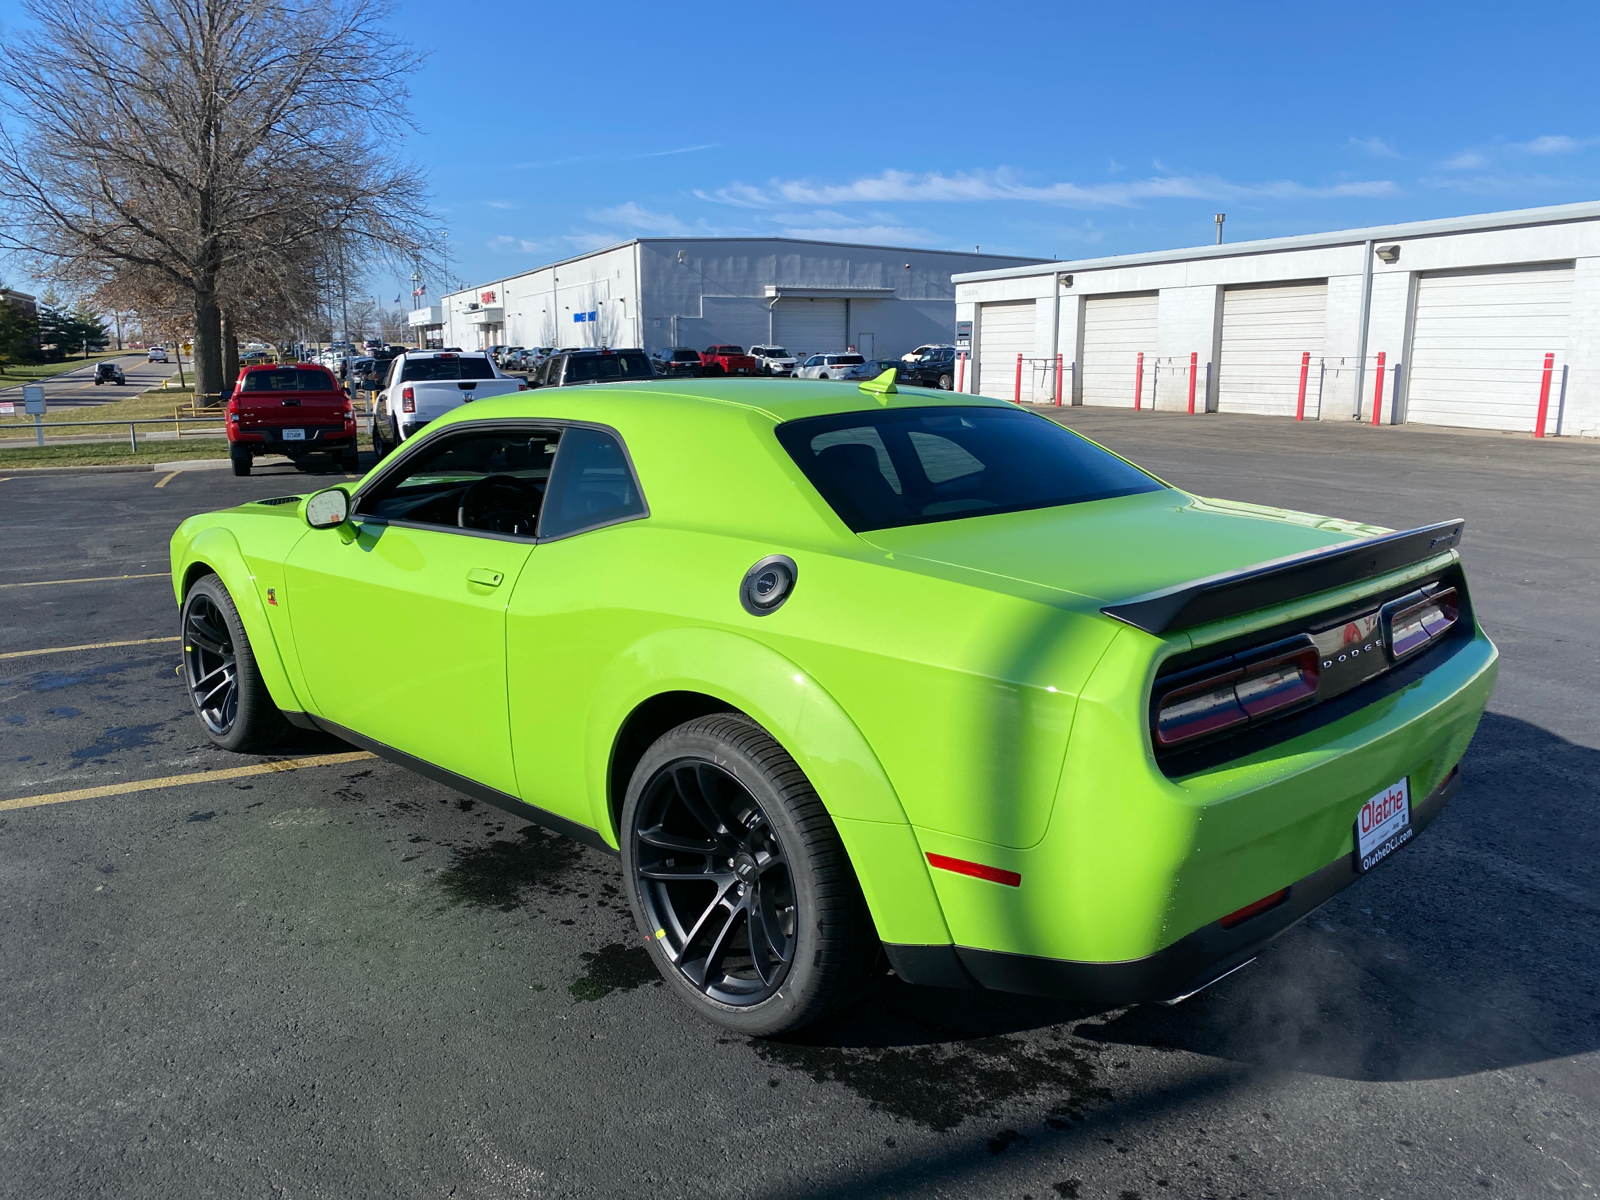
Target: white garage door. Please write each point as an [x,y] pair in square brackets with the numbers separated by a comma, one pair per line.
[1265,333]
[1116,329]
[1004,331]
[1478,345]
[810,326]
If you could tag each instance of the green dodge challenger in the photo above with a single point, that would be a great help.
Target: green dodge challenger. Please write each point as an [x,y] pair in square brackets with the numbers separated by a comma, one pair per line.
[852,674]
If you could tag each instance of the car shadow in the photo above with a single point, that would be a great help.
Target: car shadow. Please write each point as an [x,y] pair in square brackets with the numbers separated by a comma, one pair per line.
[1472,951]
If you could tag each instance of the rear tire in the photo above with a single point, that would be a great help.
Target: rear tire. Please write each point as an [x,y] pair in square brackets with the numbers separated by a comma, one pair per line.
[350,461]
[240,460]
[219,668]
[748,903]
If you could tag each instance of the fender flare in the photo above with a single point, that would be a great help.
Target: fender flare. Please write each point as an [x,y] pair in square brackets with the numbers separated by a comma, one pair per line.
[217,549]
[810,724]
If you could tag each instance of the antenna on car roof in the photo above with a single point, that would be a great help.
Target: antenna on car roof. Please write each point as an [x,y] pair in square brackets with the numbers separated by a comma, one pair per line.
[882,387]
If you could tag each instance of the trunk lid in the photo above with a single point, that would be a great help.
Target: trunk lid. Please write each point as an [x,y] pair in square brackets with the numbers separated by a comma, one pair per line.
[1110,550]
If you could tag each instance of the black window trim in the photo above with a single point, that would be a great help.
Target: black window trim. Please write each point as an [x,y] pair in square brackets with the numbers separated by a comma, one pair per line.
[416,446]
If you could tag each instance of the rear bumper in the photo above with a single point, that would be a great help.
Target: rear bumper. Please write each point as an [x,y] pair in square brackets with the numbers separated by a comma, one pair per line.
[1178,970]
[317,437]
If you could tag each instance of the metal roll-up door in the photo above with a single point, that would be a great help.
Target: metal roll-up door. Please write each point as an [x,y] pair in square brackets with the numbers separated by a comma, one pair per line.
[1478,343]
[1266,332]
[805,326]
[1116,330]
[1004,331]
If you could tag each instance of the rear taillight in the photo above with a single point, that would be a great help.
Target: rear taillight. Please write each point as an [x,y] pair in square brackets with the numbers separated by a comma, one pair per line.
[1237,693]
[408,400]
[1418,620]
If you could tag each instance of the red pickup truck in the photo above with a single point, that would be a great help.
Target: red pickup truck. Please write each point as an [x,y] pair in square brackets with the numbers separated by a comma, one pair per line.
[727,360]
[296,409]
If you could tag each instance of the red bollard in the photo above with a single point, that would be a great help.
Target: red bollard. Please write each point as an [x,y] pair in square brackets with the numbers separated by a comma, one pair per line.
[961,372]
[1544,395]
[1194,362]
[1016,397]
[1138,382]
[1058,381]
[1377,392]
[1305,369]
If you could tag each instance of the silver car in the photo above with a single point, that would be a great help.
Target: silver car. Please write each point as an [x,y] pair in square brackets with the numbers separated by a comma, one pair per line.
[774,360]
[828,366]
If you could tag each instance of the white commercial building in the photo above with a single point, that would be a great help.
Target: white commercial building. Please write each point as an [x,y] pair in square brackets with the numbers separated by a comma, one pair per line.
[1472,321]
[657,293]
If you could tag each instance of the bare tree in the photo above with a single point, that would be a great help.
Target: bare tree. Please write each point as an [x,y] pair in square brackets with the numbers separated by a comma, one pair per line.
[206,143]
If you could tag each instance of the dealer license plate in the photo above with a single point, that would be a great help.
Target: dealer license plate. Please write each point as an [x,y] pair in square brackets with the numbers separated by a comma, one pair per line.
[294,435]
[1383,825]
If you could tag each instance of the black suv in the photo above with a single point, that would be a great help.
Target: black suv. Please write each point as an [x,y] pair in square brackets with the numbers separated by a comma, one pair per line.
[935,369]
[679,363]
[591,366]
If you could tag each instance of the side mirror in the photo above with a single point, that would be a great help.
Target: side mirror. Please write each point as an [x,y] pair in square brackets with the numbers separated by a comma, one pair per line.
[328,508]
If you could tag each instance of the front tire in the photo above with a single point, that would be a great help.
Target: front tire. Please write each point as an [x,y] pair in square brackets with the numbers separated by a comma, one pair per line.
[219,667]
[747,900]
[944,383]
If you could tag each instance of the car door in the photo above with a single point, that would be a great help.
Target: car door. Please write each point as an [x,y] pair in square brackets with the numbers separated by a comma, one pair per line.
[569,615]
[399,616]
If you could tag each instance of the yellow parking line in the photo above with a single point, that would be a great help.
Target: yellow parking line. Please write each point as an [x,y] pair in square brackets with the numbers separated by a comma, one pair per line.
[90,646]
[165,479]
[91,579]
[146,785]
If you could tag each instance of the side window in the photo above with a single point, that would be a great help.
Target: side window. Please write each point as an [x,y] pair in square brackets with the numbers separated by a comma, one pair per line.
[490,482]
[591,484]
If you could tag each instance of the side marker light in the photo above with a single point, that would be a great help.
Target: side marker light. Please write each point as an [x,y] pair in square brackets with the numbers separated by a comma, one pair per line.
[1254,910]
[977,870]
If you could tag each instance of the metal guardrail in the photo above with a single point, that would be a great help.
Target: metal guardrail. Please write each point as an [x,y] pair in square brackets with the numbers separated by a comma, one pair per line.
[177,423]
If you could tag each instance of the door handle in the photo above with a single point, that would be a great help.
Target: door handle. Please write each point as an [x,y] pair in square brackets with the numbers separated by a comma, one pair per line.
[484,576]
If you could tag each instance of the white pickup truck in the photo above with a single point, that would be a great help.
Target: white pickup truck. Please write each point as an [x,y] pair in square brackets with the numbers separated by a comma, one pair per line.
[423,385]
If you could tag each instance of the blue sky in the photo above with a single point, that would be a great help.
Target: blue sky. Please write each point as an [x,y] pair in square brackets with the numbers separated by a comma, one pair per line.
[1057,129]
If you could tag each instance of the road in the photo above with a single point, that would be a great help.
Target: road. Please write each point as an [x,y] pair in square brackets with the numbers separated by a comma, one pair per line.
[347,981]
[76,388]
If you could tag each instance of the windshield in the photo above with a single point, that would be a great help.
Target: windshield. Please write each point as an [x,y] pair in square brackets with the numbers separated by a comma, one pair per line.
[845,360]
[584,368]
[880,470]
[290,379]
[426,370]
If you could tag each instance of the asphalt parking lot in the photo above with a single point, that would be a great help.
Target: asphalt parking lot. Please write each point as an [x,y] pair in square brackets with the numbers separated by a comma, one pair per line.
[344,980]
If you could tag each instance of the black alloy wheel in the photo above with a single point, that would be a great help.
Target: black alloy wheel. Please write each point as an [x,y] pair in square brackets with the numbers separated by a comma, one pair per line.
[716,881]
[744,893]
[219,669]
[210,666]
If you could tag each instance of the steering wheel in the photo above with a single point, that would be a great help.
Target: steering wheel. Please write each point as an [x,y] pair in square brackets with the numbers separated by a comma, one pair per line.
[499,504]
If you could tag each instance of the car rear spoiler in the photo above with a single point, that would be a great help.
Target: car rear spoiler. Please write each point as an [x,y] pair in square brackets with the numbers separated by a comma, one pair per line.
[1265,584]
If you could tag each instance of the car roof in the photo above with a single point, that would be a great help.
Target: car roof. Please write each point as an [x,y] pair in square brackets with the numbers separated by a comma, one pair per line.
[778,400]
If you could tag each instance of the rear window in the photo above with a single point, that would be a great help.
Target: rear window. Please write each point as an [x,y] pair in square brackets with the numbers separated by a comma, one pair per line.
[425,370]
[686,356]
[913,466]
[290,379]
[589,368]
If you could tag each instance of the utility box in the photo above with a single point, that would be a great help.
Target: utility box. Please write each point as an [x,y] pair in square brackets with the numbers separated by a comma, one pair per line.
[33,399]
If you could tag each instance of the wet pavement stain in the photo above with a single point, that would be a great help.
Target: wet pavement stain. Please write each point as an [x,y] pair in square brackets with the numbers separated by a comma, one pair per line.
[116,738]
[615,968]
[940,1085]
[496,875]
[49,681]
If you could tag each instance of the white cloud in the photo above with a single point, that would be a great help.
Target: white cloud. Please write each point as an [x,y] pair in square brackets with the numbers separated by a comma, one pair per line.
[966,187]
[500,204]
[506,242]
[1469,160]
[633,216]
[584,242]
[1374,146]
[1557,143]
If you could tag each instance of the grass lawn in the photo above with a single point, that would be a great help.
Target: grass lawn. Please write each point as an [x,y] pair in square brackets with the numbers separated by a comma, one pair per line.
[111,453]
[141,406]
[16,373]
